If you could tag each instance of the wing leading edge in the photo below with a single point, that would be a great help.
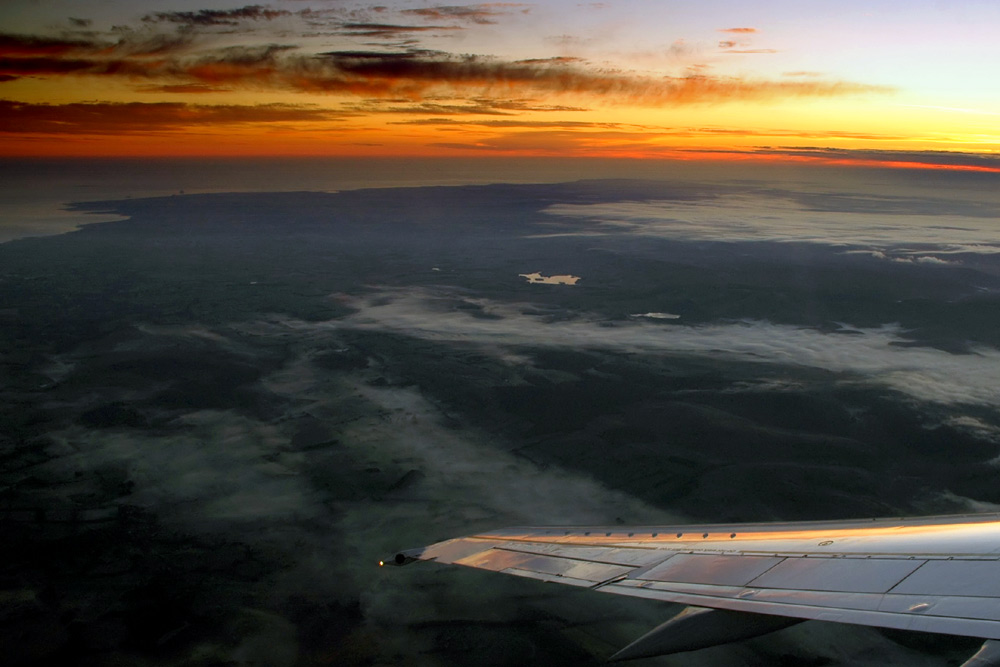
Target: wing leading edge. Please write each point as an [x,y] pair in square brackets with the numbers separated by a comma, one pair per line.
[932,574]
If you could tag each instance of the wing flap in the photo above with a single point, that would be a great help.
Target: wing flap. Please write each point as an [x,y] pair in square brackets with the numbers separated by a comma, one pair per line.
[862,609]
[615,556]
[662,590]
[973,578]
[452,551]
[848,575]
[573,565]
[502,560]
[710,569]
[552,578]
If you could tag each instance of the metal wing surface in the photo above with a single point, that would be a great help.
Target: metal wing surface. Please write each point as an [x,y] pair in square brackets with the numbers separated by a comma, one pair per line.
[934,574]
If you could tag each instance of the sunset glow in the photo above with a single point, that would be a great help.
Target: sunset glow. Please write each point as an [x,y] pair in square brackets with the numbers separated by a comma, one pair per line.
[885,83]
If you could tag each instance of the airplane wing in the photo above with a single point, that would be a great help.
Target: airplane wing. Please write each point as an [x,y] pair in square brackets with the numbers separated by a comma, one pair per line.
[934,574]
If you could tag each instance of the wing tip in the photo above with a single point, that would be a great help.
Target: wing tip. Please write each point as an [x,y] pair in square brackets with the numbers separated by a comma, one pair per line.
[403,557]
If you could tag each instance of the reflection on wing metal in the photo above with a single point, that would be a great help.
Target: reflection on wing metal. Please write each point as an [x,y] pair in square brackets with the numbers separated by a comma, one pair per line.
[933,574]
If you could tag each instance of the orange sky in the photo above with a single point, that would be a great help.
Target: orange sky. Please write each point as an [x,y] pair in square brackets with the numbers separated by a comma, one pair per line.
[626,79]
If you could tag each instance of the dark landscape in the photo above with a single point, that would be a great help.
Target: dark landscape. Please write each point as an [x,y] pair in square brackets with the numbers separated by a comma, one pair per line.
[220,412]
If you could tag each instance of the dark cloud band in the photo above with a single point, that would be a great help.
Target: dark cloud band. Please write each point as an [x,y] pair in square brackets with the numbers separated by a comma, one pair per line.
[214,17]
[118,118]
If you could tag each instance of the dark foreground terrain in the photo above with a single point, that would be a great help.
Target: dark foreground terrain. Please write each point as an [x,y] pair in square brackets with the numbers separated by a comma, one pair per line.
[219,414]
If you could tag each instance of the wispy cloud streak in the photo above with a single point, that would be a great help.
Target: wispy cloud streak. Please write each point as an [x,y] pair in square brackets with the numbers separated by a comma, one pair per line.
[875,357]
[117,118]
[388,30]
[410,74]
[890,224]
[482,14]
[214,17]
[986,162]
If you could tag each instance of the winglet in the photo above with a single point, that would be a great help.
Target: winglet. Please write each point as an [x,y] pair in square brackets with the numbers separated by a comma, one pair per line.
[403,557]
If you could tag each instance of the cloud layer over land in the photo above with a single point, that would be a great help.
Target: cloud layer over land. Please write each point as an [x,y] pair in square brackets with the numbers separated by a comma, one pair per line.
[226,408]
[879,357]
[755,217]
